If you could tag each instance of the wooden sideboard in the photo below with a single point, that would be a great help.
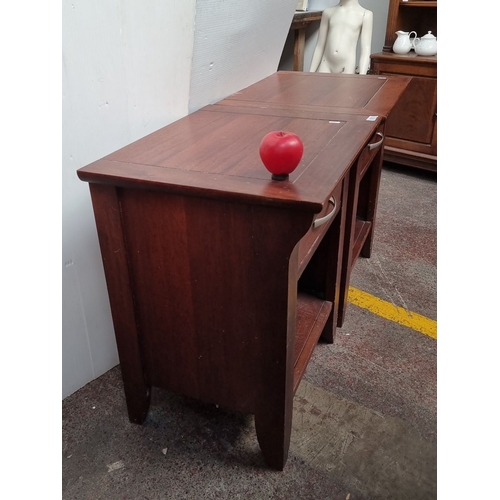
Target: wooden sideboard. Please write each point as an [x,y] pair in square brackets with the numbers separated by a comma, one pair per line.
[220,279]
[412,127]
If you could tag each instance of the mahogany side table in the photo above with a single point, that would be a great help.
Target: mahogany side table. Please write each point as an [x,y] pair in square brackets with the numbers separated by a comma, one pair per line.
[220,279]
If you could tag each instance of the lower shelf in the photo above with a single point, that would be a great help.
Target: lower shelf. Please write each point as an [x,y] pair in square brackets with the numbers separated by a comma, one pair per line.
[312,315]
[361,231]
[417,160]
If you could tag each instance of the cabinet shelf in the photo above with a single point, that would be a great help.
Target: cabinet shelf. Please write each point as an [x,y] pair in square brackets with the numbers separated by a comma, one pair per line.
[418,3]
[361,230]
[312,314]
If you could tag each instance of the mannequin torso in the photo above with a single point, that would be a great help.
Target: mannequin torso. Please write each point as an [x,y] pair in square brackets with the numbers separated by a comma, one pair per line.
[341,27]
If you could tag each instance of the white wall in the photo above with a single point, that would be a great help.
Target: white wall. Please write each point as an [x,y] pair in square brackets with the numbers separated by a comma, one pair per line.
[125,70]
[236,43]
[129,69]
[380,8]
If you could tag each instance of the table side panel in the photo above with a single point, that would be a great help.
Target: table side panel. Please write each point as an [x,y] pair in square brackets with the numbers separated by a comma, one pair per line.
[214,291]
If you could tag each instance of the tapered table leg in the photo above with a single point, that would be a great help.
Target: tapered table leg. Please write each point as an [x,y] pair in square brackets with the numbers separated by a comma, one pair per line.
[109,229]
[273,425]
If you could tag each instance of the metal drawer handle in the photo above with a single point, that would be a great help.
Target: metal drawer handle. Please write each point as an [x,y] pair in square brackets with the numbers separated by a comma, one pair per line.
[327,217]
[376,144]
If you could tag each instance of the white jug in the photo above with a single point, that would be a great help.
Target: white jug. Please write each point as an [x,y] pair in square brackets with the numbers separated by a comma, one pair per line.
[404,42]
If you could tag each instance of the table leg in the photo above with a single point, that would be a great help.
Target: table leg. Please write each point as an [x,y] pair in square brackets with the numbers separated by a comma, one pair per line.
[113,250]
[298,49]
[350,207]
[273,424]
[334,289]
[371,196]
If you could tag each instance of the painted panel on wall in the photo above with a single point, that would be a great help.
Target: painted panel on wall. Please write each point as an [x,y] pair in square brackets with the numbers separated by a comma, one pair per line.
[236,44]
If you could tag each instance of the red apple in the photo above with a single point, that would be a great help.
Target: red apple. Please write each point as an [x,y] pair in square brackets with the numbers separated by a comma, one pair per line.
[280,153]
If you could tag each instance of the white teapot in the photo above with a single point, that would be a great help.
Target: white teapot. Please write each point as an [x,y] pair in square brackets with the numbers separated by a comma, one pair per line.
[426,46]
[404,42]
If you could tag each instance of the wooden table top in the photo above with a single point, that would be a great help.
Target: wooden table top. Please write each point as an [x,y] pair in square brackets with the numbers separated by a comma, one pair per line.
[353,94]
[214,152]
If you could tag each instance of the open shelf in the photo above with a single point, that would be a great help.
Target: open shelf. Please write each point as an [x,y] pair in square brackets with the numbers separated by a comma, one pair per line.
[307,247]
[361,231]
[415,15]
[312,239]
[418,3]
[312,314]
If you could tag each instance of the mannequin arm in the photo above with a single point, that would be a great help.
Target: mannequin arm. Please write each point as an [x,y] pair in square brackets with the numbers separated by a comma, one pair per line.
[365,43]
[321,42]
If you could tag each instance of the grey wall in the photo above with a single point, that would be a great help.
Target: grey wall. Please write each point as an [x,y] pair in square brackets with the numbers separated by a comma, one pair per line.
[236,43]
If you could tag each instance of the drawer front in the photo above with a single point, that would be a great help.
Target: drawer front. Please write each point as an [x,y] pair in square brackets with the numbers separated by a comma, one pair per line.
[321,223]
[369,152]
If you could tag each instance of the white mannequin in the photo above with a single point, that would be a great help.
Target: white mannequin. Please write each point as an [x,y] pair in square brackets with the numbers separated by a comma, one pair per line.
[340,29]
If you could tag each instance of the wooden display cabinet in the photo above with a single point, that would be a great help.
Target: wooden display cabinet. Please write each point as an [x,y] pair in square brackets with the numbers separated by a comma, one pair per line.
[411,130]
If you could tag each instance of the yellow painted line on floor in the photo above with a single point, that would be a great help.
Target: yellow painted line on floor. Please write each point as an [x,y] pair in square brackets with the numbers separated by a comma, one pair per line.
[393,313]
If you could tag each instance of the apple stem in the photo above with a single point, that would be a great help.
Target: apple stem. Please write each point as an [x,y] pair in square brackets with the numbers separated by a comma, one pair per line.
[279,177]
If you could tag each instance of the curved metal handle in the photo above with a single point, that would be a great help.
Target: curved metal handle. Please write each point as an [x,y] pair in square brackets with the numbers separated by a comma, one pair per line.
[376,144]
[327,217]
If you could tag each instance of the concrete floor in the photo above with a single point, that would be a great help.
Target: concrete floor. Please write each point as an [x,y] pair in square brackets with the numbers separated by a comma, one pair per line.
[364,415]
